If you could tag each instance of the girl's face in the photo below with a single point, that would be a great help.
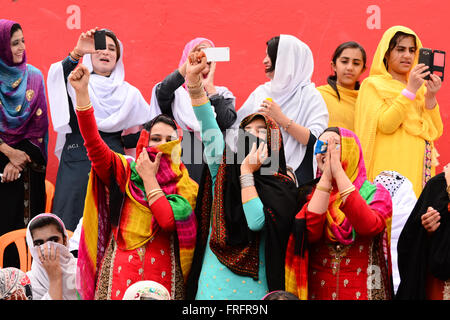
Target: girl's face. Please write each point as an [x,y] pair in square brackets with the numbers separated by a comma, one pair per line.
[47,233]
[17,46]
[257,127]
[348,67]
[161,133]
[267,65]
[104,61]
[400,60]
[320,157]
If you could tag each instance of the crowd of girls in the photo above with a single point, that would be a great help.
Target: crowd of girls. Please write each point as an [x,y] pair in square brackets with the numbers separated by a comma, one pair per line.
[326,193]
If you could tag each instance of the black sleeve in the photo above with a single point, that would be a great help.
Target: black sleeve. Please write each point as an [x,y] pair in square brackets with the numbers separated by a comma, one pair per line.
[165,91]
[130,140]
[305,171]
[225,110]
[68,67]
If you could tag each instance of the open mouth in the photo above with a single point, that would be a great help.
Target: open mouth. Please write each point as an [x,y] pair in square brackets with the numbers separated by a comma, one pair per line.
[104,59]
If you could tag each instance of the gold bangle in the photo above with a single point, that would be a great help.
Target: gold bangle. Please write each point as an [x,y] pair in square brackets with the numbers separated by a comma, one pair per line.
[347,191]
[319,187]
[151,193]
[198,84]
[84,108]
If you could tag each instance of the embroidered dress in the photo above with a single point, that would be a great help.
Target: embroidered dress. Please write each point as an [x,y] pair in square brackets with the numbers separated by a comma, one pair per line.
[123,240]
[347,252]
[241,247]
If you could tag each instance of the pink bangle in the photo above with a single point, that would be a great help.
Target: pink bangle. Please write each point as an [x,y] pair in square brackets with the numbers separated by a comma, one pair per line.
[408,94]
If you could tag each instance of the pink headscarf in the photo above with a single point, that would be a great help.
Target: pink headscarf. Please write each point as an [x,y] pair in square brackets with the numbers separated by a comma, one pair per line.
[189,46]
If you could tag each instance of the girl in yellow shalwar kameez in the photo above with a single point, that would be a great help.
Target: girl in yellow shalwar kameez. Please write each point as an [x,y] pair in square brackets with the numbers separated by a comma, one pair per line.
[348,63]
[397,117]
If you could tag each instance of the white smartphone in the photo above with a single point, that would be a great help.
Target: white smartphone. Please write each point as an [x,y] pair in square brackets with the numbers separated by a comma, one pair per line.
[217,54]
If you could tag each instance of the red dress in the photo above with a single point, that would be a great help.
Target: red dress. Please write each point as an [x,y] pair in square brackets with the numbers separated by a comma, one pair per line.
[348,272]
[156,260]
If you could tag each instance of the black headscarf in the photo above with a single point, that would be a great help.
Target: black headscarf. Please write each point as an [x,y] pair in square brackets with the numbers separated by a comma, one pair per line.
[420,253]
[234,244]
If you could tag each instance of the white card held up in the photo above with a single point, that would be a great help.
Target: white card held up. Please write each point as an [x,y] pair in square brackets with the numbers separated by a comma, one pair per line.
[217,54]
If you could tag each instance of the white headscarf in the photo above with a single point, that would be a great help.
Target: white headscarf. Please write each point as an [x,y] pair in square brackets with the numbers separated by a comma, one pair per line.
[182,107]
[38,276]
[403,202]
[292,89]
[117,104]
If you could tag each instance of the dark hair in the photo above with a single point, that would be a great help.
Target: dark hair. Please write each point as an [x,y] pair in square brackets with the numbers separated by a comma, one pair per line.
[160,118]
[281,295]
[46,221]
[15,27]
[398,36]
[331,129]
[337,53]
[111,34]
[272,50]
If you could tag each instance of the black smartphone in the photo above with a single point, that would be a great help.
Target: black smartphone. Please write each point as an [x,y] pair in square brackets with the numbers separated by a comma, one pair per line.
[426,57]
[435,60]
[100,39]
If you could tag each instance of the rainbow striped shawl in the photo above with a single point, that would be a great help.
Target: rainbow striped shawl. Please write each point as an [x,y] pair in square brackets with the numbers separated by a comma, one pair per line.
[136,224]
[338,227]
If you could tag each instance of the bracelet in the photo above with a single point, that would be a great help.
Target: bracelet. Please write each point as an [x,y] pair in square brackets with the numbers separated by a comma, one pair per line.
[247,180]
[347,191]
[448,188]
[84,108]
[408,94]
[198,84]
[319,187]
[153,192]
[1,141]
[73,60]
[288,125]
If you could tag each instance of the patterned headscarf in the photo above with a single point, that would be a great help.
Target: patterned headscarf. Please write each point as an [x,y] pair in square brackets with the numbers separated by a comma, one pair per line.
[14,285]
[23,107]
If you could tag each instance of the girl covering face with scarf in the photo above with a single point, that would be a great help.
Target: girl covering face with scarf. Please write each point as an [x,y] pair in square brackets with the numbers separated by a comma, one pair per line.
[397,116]
[23,135]
[247,205]
[340,247]
[138,222]
[53,269]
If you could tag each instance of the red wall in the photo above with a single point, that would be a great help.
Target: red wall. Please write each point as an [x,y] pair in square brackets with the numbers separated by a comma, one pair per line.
[155,32]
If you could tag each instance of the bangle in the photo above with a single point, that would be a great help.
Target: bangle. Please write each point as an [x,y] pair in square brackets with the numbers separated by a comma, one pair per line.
[247,180]
[84,108]
[347,191]
[408,94]
[288,125]
[198,84]
[319,187]
[73,60]
[153,192]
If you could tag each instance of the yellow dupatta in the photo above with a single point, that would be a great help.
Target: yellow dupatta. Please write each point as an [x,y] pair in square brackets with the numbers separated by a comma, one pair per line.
[379,91]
